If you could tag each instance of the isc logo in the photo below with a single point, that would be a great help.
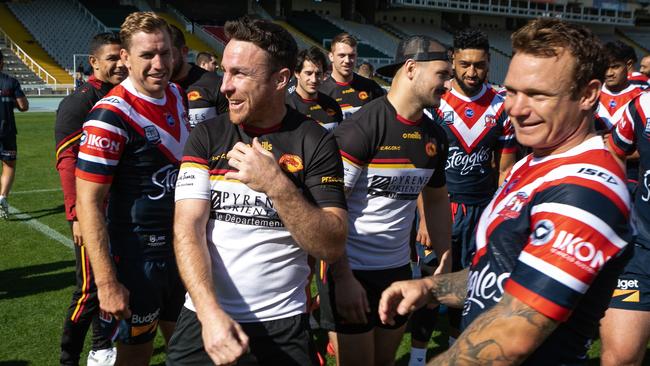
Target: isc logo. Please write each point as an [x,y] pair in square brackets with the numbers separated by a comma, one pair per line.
[597,173]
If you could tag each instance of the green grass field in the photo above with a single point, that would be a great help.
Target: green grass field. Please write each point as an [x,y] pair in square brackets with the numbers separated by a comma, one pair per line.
[37,270]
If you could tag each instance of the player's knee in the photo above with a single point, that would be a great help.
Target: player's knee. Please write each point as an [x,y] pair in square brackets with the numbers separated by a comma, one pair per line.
[622,353]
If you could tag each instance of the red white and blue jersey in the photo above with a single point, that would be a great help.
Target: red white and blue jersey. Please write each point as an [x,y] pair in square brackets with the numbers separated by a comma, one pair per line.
[549,238]
[477,128]
[611,106]
[631,133]
[135,144]
[638,79]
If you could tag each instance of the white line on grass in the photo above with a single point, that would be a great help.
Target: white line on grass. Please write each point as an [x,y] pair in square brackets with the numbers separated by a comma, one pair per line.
[44,229]
[37,191]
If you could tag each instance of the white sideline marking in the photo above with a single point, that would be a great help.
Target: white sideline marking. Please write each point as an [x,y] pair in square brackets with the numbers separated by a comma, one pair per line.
[44,229]
[37,191]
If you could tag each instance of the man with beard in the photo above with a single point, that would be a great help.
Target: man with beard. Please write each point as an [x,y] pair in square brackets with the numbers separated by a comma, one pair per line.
[350,90]
[391,153]
[131,145]
[260,189]
[202,87]
[551,243]
[644,66]
[617,91]
[108,71]
[481,150]
[207,61]
[306,99]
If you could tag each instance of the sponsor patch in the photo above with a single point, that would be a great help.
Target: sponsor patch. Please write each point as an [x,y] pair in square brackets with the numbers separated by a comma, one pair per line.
[448,117]
[170,120]
[469,112]
[291,163]
[543,232]
[630,295]
[612,104]
[193,95]
[151,134]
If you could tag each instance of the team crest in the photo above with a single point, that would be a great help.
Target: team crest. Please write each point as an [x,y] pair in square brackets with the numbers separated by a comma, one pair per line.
[363,95]
[612,104]
[330,112]
[490,120]
[193,95]
[448,117]
[291,163]
[151,134]
[431,148]
[170,120]
[512,210]
[469,112]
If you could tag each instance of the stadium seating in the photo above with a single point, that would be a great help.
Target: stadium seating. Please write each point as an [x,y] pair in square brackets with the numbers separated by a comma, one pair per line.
[111,13]
[14,67]
[640,37]
[74,27]
[27,43]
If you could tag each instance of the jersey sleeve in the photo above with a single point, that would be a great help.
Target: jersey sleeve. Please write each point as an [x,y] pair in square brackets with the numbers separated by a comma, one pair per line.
[102,143]
[439,178]
[18,90]
[576,229]
[507,140]
[205,102]
[623,139]
[194,176]
[355,147]
[324,174]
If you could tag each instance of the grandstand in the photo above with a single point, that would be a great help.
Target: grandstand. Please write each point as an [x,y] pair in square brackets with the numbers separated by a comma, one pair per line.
[110,13]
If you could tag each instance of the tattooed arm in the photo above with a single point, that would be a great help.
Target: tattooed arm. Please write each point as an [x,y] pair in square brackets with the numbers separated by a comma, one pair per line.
[403,297]
[504,335]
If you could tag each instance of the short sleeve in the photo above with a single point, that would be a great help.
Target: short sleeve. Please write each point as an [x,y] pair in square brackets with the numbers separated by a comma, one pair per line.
[623,139]
[355,147]
[193,180]
[18,90]
[324,175]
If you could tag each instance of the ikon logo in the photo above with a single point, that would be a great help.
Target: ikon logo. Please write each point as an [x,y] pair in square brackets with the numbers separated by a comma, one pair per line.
[101,142]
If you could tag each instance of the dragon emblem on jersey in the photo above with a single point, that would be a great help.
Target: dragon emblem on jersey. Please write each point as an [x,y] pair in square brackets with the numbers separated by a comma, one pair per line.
[431,149]
[193,95]
[363,95]
[512,209]
[291,163]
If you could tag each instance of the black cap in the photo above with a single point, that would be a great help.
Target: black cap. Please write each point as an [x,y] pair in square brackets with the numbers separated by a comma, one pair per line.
[416,48]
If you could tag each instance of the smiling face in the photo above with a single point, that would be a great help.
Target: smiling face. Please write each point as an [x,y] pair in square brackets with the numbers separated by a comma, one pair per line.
[248,81]
[309,79]
[471,67]
[343,58]
[430,82]
[539,101]
[149,60]
[107,64]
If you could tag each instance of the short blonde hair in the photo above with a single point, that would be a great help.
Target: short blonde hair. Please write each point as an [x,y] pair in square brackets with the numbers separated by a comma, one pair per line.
[141,21]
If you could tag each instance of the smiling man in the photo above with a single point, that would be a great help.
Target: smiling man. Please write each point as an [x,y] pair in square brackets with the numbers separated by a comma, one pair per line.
[108,71]
[131,146]
[550,243]
[307,99]
[259,190]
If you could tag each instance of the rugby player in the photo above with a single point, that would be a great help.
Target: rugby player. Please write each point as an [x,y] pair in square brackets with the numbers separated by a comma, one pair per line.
[617,90]
[260,189]
[207,61]
[644,66]
[625,330]
[202,87]
[481,151]
[634,77]
[132,145]
[553,239]
[366,70]
[391,153]
[306,99]
[11,96]
[108,71]
[350,90]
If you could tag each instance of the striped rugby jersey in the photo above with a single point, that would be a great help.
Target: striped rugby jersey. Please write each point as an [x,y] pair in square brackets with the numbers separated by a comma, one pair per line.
[353,95]
[477,128]
[323,109]
[551,237]
[259,271]
[611,106]
[387,160]
[135,144]
[632,132]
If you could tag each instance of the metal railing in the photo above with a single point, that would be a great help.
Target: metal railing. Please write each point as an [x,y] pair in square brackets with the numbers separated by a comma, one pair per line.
[512,8]
[28,61]
[92,17]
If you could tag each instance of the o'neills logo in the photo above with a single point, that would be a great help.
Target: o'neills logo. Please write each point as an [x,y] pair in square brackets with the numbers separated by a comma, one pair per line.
[363,95]
[193,95]
[291,163]
[430,149]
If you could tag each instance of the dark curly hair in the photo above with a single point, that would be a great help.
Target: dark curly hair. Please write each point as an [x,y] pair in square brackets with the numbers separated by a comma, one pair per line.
[549,37]
[471,38]
[313,55]
[272,38]
[619,51]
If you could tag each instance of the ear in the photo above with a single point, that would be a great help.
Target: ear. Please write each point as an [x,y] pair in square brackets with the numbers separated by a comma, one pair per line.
[590,95]
[410,68]
[282,78]
[124,55]
[93,61]
[330,56]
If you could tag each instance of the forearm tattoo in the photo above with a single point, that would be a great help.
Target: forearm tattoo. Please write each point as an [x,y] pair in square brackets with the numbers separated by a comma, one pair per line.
[451,289]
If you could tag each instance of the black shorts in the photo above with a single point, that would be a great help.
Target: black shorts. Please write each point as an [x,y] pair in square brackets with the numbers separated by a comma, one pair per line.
[276,342]
[155,293]
[632,291]
[463,246]
[8,148]
[374,282]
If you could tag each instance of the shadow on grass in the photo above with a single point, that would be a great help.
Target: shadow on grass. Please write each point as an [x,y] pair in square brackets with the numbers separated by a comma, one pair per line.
[14,363]
[30,280]
[36,214]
